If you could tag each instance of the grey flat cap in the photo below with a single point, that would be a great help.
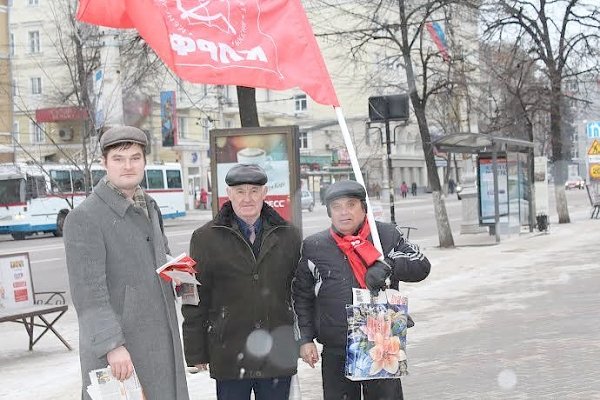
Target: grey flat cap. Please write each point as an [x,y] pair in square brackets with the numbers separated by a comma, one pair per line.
[123,134]
[345,189]
[246,174]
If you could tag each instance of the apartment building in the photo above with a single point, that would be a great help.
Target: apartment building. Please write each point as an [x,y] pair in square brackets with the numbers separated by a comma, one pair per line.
[49,121]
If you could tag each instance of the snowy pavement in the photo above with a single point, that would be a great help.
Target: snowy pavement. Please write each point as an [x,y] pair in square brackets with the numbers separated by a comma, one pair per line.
[471,314]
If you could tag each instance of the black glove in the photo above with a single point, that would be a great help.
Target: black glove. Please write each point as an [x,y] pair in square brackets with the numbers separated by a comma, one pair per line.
[376,276]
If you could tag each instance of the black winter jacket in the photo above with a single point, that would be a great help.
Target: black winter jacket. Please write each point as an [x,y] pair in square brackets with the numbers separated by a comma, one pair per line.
[244,301]
[324,280]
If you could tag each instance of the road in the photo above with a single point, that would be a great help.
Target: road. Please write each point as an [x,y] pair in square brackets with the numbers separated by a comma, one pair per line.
[47,255]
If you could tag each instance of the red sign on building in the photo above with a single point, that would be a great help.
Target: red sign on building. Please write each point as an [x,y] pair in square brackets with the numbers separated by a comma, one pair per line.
[60,114]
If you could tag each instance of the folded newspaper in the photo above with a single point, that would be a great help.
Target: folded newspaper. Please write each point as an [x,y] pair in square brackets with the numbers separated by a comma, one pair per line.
[181,270]
[104,386]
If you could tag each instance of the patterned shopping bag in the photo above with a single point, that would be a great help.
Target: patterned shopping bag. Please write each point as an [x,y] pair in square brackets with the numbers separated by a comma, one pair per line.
[376,345]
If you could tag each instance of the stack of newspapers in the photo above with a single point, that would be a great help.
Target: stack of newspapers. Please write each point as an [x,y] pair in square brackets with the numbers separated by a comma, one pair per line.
[104,386]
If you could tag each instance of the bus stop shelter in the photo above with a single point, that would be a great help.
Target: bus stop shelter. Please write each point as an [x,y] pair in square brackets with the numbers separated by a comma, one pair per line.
[504,178]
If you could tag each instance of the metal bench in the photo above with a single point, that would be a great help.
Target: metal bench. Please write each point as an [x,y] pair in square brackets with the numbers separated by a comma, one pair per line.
[54,303]
[594,201]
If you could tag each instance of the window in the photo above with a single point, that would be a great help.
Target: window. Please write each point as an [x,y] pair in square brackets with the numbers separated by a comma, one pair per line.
[37,133]
[173,179]
[78,181]
[97,176]
[36,85]
[206,124]
[15,88]
[60,181]
[155,179]
[10,191]
[11,44]
[16,131]
[34,42]
[35,187]
[303,140]
[300,103]
[33,2]
[182,127]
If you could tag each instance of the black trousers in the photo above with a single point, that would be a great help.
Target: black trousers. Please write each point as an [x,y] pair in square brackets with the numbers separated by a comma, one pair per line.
[337,387]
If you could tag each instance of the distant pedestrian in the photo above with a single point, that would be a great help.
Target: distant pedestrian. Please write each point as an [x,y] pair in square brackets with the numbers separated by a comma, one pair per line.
[413,188]
[404,189]
[451,186]
[203,198]
[377,189]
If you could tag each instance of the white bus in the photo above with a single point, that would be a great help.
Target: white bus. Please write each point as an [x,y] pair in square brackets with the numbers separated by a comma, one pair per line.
[36,199]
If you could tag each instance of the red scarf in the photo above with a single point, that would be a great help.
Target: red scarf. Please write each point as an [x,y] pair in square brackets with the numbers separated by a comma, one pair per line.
[359,250]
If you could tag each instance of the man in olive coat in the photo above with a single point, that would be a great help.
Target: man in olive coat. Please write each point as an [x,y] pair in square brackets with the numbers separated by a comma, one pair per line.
[243,325]
[114,242]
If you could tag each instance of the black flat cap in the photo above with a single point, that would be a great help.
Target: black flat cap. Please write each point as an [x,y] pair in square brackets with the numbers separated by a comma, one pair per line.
[123,134]
[345,189]
[246,174]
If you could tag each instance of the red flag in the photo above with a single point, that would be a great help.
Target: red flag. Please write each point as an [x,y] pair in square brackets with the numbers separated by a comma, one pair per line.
[109,13]
[256,43]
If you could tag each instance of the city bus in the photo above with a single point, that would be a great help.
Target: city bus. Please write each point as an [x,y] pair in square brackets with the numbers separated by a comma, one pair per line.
[37,198]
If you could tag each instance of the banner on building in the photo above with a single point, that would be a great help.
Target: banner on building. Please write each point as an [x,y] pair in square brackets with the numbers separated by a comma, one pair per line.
[168,118]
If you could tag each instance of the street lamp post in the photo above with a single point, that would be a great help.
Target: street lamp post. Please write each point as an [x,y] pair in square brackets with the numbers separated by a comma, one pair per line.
[388,151]
[383,109]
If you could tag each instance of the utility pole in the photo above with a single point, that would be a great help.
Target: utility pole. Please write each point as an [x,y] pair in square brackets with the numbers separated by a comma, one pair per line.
[388,151]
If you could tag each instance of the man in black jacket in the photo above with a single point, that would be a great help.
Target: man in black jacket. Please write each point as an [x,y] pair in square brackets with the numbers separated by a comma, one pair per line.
[335,261]
[243,326]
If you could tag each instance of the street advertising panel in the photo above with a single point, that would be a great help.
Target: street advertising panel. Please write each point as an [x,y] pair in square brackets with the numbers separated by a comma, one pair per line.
[518,190]
[16,287]
[541,185]
[485,178]
[168,118]
[594,161]
[275,149]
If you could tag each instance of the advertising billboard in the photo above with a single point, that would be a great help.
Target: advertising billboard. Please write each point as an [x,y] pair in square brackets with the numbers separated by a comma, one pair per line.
[275,149]
[486,188]
[16,288]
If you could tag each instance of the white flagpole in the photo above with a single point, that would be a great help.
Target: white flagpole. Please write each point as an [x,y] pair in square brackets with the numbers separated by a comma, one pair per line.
[359,177]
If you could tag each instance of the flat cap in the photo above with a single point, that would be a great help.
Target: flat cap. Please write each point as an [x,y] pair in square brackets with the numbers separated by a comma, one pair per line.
[123,134]
[246,174]
[345,189]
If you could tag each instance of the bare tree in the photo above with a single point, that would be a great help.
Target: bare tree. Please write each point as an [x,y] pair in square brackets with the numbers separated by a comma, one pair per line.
[563,37]
[395,30]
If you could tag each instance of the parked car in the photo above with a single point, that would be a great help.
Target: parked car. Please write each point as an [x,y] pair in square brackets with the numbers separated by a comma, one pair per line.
[575,182]
[308,203]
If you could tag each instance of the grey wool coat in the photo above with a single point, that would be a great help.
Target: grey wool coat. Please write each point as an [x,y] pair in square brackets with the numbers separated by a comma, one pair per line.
[113,251]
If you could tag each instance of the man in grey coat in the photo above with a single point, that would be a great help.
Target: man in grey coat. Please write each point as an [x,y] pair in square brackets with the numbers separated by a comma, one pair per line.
[114,242]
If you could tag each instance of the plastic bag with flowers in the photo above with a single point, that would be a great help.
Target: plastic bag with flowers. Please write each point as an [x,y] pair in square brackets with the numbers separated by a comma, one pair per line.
[376,346]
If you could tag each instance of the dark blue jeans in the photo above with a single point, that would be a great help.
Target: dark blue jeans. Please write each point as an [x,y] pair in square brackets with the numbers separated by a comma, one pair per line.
[264,389]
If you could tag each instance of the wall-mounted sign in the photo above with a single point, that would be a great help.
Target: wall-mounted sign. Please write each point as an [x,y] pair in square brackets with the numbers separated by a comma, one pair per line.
[594,149]
[593,129]
[595,172]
